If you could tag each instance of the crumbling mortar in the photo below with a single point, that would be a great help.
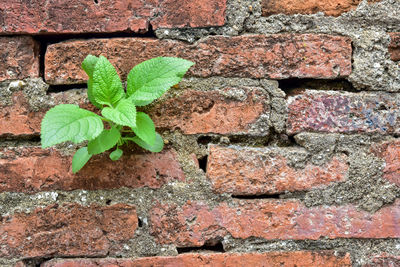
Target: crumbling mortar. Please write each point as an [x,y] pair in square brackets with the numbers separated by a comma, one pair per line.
[364,185]
[361,250]
[368,27]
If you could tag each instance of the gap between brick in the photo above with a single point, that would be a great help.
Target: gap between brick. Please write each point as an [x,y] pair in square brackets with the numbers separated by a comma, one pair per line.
[265,196]
[33,138]
[203,163]
[44,40]
[217,247]
[292,86]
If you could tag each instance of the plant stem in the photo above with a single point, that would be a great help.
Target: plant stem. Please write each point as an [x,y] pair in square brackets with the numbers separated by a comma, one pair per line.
[104,119]
[127,138]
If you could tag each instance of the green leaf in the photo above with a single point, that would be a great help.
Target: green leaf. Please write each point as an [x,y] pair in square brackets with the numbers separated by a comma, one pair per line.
[116,154]
[107,86]
[91,97]
[145,128]
[150,79]
[81,157]
[123,114]
[88,65]
[106,140]
[68,122]
[157,147]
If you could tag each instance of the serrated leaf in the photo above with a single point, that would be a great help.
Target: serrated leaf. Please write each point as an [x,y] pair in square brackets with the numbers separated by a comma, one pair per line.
[123,114]
[156,147]
[68,122]
[116,154]
[145,128]
[107,86]
[105,141]
[88,65]
[81,157]
[90,94]
[150,79]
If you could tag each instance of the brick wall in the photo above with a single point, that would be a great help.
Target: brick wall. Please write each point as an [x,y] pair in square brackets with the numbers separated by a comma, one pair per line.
[281,143]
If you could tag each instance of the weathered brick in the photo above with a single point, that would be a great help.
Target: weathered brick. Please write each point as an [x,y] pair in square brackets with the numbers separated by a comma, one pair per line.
[256,171]
[22,171]
[394,46]
[273,259]
[190,13]
[344,112]
[19,57]
[18,117]
[290,7]
[390,153]
[193,112]
[67,230]
[276,56]
[384,260]
[197,223]
[57,16]
[214,111]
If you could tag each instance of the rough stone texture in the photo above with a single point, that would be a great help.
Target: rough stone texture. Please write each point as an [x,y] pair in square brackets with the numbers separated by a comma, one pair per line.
[384,260]
[237,12]
[365,189]
[394,46]
[343,112]
[369,191]
[196,223]
[190,13]
[106,16]
[227,111]
[18,119]
[289,7]
[367,26]
[67,230]
[390,153]
[22,170]
[19,57]
[274,259]
[23,106]
[257,171]
[253,56]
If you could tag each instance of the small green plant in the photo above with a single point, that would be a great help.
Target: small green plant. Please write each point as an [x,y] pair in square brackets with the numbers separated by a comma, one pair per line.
[146,82]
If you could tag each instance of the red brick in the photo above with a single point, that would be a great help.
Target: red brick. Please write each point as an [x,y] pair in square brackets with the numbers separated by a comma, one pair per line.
[270,259]
[394,46]
[19,118]
[390,153]
[197,223]
[22,171]
[256,171]
[57,16]
[384,260]
[343,112]
[67,230]
[195,112]
[20,57]
[290,7]
[254,56]
[190,13]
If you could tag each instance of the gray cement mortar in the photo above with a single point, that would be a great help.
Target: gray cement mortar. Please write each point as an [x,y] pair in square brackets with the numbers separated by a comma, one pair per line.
[368,27]
[360,250]
[363,186]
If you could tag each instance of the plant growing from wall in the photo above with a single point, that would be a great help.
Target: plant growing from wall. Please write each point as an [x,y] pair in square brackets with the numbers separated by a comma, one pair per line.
[146,82]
